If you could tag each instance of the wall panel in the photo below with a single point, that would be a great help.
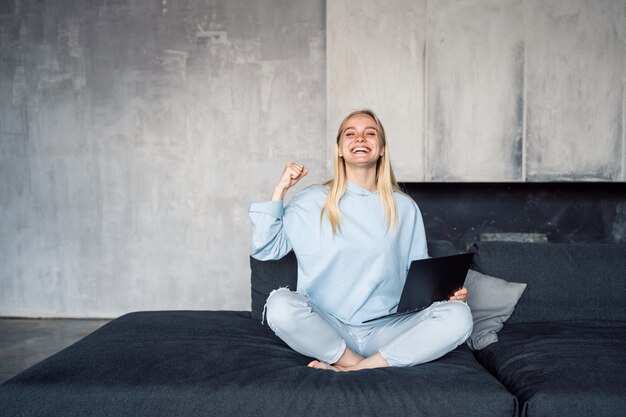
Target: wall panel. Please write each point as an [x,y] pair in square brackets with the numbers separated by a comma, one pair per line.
[475,90]
[575,65]
[148,128]
[376,52]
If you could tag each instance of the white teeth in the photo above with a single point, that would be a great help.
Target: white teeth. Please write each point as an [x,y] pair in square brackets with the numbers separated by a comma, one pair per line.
[359,149]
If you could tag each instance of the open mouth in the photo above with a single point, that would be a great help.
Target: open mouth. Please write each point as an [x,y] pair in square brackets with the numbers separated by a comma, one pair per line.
[360,150]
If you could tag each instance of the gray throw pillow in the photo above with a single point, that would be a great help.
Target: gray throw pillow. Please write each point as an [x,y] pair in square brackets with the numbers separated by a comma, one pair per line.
[492,301]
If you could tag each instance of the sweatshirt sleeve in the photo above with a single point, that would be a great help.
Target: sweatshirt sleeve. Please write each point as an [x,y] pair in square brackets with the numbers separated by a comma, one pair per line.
[269,239]
[419,247]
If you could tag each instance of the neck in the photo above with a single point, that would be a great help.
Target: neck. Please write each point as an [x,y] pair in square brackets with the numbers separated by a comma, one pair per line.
[363,176]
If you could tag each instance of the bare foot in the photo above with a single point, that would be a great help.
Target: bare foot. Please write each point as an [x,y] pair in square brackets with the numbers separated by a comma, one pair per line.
[323,365]
[374,361]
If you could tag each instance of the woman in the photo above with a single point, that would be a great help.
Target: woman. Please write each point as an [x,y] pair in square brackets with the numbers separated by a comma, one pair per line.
[354,237]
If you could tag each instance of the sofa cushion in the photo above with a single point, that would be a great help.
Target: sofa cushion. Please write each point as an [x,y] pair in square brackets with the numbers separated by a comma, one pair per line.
[223,363]
[570,369]
[565,281]
[492,301]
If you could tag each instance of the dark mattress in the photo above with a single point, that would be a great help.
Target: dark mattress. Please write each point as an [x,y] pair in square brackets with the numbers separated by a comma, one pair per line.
[211,363]
[573,368]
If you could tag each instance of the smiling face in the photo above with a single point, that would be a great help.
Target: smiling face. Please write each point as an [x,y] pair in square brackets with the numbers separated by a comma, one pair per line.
[360,142]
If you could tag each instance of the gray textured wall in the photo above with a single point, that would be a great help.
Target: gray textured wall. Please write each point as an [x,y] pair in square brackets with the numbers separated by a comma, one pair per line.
[376,59]
[134,134]
[486,90]
[575,92]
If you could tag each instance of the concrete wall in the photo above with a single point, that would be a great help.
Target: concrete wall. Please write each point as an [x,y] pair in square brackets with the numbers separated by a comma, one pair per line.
[486,90]
[134,134]
[376,59]
[575,91]
[133,137]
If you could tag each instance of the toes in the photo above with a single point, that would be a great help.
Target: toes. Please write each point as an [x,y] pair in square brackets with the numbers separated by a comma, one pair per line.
[318,365]
[323,365]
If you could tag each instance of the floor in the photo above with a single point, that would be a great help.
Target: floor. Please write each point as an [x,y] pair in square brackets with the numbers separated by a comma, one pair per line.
[24,342]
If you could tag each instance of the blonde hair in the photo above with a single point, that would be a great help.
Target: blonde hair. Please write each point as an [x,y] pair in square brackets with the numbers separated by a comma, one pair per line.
[386,182]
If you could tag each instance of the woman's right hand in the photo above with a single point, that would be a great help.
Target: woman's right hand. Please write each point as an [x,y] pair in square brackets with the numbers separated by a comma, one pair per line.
[292,173]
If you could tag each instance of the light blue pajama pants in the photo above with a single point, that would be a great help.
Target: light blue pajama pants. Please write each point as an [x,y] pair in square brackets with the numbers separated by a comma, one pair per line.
[402,341]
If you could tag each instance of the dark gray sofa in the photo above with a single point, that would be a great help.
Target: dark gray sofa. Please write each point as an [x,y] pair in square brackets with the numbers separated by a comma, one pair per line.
[561,353]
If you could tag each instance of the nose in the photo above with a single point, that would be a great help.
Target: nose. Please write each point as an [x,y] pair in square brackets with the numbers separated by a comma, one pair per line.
[360,138]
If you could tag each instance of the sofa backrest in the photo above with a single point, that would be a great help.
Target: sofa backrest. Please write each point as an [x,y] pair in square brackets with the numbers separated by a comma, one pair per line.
[565,281]
[441,248]
[267,276]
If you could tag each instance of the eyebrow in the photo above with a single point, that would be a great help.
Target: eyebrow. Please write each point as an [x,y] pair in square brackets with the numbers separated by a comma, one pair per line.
[367,127]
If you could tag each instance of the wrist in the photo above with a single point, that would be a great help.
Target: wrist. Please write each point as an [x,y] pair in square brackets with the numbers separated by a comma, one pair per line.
[279,193]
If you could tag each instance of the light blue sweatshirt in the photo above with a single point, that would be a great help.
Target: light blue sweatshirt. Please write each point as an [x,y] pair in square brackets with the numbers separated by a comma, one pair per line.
[359,273]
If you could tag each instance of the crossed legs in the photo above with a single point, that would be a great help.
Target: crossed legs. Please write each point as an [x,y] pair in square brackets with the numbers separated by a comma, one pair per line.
[399,341]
